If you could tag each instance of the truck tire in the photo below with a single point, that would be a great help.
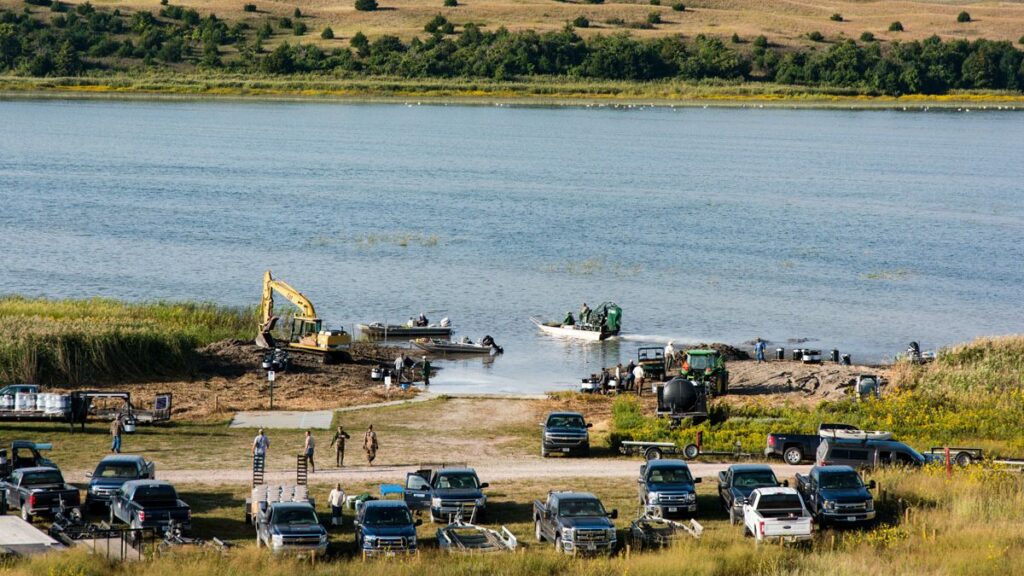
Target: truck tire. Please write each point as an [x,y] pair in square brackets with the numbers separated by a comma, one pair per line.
[558,545]
[543,452]
[537,533]
[963,459]
[653,453]
[733,519]
[25,514]
[793,455]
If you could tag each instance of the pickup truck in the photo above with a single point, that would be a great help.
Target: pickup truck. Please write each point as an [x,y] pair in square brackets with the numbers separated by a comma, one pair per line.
[836,494]
[667,488]
[290,527]
[111,473]
[23,454]
[738,482]
[448,492]
[576,522]
[777,514]
[565,432]
[385,528]
[797,448]
[149,504]
[37,490]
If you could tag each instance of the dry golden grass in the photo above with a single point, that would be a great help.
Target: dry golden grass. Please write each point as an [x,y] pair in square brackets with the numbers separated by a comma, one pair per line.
[784,22]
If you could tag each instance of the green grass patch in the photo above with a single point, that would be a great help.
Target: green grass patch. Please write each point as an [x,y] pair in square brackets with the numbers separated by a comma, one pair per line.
[80,342]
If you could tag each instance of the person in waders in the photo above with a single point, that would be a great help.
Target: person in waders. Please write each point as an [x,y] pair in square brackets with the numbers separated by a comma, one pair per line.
[370,445]
[426,371]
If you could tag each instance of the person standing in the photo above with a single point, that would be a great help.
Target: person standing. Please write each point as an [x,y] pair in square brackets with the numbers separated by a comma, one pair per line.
[308,449]
[629,375]
[399,365]
[426,371]
[759,349]
[337,500]
[339,445]
[670,355]
[370,445]
[260,444]
[116,427]
[638,380]
[584,314]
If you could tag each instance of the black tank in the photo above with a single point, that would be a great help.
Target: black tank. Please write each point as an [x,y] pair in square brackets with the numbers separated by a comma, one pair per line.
[679,395]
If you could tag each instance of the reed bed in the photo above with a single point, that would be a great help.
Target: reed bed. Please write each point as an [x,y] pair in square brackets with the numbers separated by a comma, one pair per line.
[80,342]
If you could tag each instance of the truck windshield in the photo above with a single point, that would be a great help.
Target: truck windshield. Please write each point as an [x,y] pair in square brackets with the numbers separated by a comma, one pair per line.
[670,475]
[566,422]
[779,502]
[295,517]
[580,508]
[387,516]
[754,479]
[464,480]
[839,481]
[47,477]
[156,496]
[116,470]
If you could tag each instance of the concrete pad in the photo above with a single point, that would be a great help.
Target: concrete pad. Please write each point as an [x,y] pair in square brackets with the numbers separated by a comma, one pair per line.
[282,419]
[20,537]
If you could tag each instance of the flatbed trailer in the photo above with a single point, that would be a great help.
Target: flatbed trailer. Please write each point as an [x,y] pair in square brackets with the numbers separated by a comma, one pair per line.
[657,450]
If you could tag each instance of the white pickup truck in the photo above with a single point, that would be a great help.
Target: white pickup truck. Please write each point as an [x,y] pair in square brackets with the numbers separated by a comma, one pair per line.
[777,514]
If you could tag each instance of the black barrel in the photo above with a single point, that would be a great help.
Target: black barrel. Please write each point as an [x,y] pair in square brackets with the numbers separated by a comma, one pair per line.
[835,355]
[798,354]
[846,360]
[780,353]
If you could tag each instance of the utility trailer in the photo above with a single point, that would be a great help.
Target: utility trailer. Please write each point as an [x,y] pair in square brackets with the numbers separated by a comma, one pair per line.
[655,532]
[92,404]
[958,456]
[658,450]
[463,537]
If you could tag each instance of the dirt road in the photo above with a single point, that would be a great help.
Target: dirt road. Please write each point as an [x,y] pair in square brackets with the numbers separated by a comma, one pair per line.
[529,468]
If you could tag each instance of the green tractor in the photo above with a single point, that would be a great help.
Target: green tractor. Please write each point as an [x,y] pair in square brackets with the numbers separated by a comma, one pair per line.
[708,368]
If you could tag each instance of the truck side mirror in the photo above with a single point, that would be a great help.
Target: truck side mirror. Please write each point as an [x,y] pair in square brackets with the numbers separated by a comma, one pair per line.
[698,480]
[639,480]
[721,477]
[614,514]
[88,474]
[871,485]
[485,485]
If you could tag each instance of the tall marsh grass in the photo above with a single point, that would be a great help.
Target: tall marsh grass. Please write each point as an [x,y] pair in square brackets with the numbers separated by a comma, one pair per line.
[79,342]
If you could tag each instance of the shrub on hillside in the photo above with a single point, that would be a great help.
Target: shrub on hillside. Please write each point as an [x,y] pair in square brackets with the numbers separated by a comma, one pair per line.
[816,36]
[655,2]
[284,22]
[451,3]
[594,1]
[896,26]
[299,28]
[297,14]
[679,7]
[249,8]
[439,25]
[761,42]
[327,34]
[837,17]
[736,38]
[867,37]
[366,5]
[654,18]
[581,22]
[360,43]
[963,17]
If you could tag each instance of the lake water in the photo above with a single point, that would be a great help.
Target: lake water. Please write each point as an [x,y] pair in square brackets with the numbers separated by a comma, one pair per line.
[856,230]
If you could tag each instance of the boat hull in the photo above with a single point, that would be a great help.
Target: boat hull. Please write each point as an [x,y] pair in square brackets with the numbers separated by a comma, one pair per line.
[572,332]
[397,331]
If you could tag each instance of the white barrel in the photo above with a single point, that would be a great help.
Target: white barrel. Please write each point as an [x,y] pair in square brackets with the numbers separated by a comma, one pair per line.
[43,402]
[63,403]
[7,402]
[24,401]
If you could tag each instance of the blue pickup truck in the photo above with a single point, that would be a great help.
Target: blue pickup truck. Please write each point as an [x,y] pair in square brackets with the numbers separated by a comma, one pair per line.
[448,493]
[837,495]
[576,522]
[565,433]
[111,474]
[667,488]
[385,528]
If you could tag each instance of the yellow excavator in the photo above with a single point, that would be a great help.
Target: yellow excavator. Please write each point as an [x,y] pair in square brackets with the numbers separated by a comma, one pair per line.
[307,334]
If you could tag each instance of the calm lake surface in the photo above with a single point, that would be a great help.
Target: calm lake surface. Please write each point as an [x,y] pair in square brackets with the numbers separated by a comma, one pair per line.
[856,230]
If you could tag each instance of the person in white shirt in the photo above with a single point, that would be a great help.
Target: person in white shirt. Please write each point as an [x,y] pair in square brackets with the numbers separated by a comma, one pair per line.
[638,380]
[260,444]
[670,355]
[337,500]
[307,449]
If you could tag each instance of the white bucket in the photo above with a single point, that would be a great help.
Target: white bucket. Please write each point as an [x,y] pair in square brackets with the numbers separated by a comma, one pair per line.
[7,402]
[24,401]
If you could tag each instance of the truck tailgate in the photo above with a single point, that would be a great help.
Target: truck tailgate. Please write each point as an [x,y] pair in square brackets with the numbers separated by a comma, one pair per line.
[775,527]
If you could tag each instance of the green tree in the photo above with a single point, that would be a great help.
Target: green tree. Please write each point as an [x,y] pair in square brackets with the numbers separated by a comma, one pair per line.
[654,18]
[761,42]
[366,5]
[736,38]
[249,7]
[361,44]
[327,34]
[581,22]
[280,61]
[264,31]
[297,14]
[299,28]
[896,26]
[816,36]
[963,17]
[285,23]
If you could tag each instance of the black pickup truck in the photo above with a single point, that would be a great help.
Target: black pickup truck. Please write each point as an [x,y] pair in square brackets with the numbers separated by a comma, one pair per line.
[576,522]
[149,504]
[837,495]
[37,490]
[736,483]
[797,448]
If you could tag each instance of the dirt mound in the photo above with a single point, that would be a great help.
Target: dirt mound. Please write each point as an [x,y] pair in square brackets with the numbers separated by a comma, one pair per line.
[728,352]
[789,381]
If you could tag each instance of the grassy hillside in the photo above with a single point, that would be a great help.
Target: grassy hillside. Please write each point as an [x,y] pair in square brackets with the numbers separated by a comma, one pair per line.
[973,395]
[79,342]
[787,22]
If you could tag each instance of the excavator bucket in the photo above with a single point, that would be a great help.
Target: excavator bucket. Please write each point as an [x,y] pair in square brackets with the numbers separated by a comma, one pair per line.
[264,339]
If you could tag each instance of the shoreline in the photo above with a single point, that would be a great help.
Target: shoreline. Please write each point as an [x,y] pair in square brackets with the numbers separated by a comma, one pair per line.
[528,94]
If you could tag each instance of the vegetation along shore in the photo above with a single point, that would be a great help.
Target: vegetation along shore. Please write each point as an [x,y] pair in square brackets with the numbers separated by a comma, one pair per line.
[81,48]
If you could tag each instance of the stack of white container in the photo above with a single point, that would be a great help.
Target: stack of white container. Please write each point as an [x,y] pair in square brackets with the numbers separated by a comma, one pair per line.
[7,402]
[271,493]
[24,401]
